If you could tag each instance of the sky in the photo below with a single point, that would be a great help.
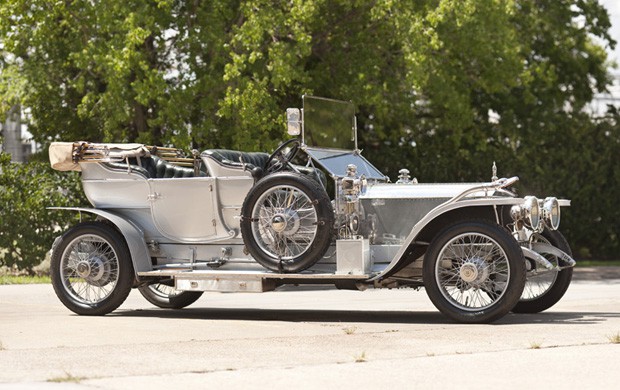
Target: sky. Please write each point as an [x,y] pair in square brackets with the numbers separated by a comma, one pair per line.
[613,7]
[601,100]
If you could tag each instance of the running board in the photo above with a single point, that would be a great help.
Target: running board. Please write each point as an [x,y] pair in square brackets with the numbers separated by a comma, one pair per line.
[241,281]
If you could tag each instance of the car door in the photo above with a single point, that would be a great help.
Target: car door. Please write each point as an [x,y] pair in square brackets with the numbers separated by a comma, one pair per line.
[184,209]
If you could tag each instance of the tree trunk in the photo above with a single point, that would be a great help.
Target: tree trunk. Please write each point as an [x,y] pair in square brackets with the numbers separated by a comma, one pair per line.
[12,132]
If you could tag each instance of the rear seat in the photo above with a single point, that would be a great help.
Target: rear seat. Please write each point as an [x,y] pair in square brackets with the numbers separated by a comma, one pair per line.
[155,168]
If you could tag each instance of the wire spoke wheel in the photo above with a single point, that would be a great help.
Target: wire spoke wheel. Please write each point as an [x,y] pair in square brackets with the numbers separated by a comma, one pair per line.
[164,291]
[474,272]
[165,296]
[287,222]
[91,269]
[544,288]
[539,280]
[538,284]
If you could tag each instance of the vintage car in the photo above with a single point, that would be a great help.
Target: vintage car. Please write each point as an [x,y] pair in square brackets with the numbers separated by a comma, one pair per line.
[313,212]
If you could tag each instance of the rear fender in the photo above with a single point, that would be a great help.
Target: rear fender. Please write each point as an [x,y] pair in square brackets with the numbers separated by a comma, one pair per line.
[131,233]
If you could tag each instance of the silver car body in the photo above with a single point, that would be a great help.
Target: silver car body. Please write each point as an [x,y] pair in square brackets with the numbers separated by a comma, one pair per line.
[188,228]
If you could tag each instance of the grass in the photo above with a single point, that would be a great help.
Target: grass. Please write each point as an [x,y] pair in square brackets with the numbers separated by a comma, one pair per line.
[24,279]
[361,358]
[598,263]
[535,345]
[1,346]
[614,339]
[67,378]
[349,330]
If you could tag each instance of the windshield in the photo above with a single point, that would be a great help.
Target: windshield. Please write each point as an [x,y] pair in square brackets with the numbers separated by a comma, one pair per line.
[329,137]
[329,123]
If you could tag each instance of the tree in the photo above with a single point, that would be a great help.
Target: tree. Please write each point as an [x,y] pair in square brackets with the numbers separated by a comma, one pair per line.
[444,87]
[27,228]
[117,71]
[579,161]
[220,72]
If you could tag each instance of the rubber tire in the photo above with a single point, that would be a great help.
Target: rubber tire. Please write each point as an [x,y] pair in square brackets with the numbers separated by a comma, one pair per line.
[560,285]
[178,301]
[126,273]
[323,209]
[516,281]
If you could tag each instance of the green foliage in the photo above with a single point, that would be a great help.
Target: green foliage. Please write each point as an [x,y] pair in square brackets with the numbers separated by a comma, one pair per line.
[27,229]
[579,161]
[21,279]
[443,87]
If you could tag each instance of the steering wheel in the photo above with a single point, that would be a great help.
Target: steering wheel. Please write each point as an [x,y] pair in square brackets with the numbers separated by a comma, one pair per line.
[278,160]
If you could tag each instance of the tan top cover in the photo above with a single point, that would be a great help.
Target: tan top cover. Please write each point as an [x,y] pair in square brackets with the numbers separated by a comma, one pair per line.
[61,157]
[61,153]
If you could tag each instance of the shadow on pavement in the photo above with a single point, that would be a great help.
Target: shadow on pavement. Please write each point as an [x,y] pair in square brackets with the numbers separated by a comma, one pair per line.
[597,274]
[339,316]
[567,318]
[289,315]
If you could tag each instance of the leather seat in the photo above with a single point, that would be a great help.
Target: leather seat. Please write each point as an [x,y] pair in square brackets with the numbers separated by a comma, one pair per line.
[155,168]
[161,169]
[231,158]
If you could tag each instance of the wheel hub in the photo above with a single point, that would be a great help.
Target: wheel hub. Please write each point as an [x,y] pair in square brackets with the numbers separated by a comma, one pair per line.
[474,271]
[83,269]
[94,270]
[278,223]
[286,223]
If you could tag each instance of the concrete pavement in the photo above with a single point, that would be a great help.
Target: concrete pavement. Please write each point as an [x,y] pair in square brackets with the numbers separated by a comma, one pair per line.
[309,339]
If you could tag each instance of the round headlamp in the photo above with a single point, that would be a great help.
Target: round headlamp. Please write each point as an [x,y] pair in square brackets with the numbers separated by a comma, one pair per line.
[551,213]
[531,212]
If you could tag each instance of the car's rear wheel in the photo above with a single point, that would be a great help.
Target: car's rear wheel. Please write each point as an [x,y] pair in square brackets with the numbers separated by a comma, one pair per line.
[167,297]
[474,272]
[287,222]
[543,288]
[91,269]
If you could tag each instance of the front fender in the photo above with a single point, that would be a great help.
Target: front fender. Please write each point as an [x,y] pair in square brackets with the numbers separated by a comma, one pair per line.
[538,249]
[133,236]
[544,248]
[437,212]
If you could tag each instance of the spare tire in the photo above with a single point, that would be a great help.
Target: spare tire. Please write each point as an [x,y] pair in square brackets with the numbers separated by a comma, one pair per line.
[287,222]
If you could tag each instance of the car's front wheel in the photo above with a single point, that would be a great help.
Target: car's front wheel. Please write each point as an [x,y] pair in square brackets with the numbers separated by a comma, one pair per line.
[474,272]
[544,288]
[91,269]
